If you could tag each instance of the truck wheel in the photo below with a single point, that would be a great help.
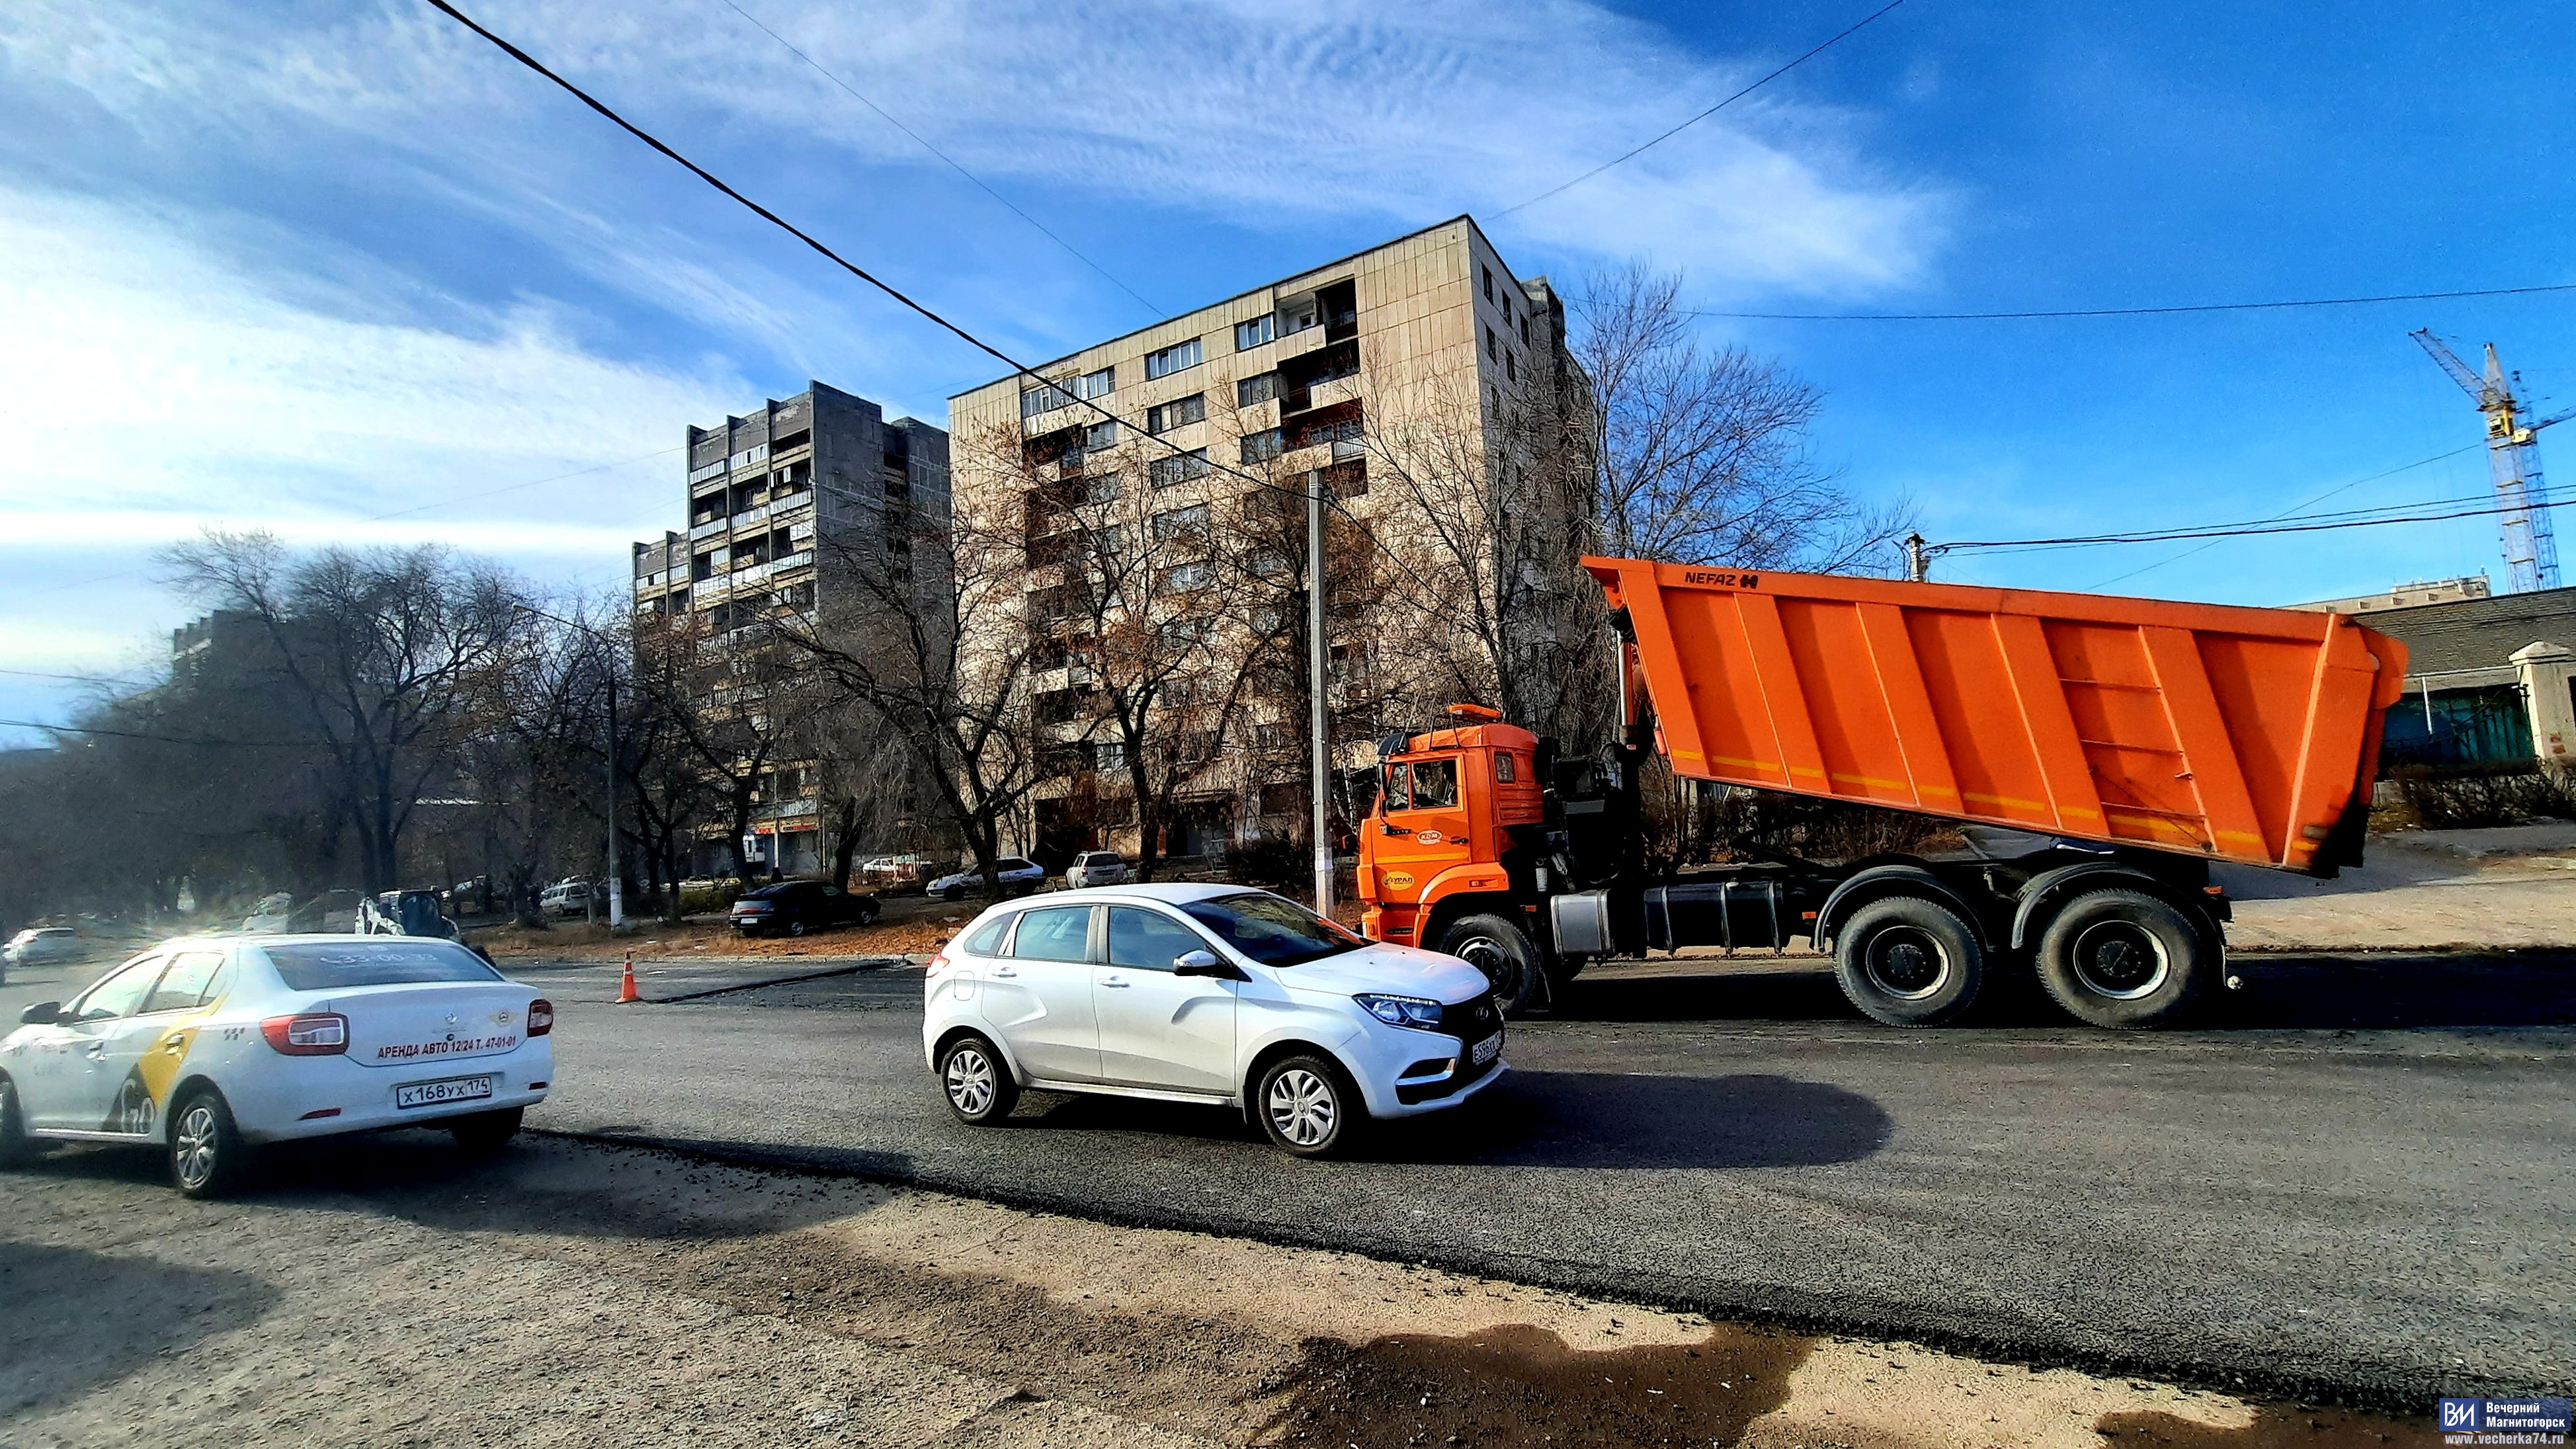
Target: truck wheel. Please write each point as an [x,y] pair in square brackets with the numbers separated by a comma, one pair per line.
[1505,953]
[1909,961]
[2124,959]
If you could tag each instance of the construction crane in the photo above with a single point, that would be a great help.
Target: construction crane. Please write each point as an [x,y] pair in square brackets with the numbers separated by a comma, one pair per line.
[2513,459]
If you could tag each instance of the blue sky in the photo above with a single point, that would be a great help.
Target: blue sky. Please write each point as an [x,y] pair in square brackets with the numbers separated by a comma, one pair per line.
[302,267]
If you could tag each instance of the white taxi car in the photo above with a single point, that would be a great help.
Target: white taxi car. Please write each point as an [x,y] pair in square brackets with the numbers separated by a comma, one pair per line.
[1205,993]
[209,1046]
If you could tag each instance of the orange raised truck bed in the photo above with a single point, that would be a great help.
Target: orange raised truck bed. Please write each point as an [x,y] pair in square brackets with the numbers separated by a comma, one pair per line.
[2239,734]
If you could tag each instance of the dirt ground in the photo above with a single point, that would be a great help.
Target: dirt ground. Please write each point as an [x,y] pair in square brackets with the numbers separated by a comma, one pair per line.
[395,1293]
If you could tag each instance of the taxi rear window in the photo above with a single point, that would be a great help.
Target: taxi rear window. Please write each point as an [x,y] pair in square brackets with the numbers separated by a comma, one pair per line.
[340,965]
[987,939]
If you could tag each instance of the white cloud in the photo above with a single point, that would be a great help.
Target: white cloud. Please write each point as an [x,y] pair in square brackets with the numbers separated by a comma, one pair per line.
[1246,112]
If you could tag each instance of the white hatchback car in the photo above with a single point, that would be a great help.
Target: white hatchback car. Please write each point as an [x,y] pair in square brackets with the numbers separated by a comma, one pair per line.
[1095,868]
[209,1046]
[1205,993]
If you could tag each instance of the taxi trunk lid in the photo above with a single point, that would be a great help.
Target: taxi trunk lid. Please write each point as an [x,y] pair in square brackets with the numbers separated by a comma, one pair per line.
[411,1026]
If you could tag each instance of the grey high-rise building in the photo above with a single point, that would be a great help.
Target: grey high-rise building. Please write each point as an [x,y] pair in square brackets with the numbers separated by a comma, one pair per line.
[774,497]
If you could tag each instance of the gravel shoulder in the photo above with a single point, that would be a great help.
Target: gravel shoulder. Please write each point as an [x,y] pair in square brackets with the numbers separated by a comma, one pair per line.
[392,1292]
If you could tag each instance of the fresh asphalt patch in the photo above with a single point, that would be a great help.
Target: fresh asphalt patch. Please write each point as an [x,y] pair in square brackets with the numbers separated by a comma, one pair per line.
[2360,1214]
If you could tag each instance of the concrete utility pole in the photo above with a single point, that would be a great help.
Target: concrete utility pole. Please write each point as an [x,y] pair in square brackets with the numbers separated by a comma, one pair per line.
[1918,558]
[1319,678]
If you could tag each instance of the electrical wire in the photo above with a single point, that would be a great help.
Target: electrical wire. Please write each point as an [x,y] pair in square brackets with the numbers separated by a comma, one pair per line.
[1638,150]
[2127,311]
[2248,531]
[953,163]
[28,724]
[820,248]
[72,678]
[2289,511]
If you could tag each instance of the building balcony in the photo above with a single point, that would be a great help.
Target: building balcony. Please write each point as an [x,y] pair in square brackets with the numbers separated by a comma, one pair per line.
[709,528]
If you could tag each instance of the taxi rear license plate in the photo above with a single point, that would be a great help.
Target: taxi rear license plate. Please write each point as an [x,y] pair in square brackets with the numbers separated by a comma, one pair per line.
[1486,1050]
[432,1094]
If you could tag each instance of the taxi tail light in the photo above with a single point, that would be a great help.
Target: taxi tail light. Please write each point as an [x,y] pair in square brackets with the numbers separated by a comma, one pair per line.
[541,1017]
[938,964]
[313,1034]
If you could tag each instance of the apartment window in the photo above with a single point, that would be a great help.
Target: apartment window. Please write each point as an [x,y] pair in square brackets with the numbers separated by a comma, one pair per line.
[1193,519]
[1102,489]
[1100,435]
[1261,446]
[1297,316]
[1181,468]
[1182,633]
[1096,384]
[1173,414]
[1525,329]
[1045,399]
[1109,755]
[1186,577]
[1512,366]
[1175,358]
[1507,306]
[1493,351]
[1270,562]
[1251,391]
[1489,280]
[1255,332]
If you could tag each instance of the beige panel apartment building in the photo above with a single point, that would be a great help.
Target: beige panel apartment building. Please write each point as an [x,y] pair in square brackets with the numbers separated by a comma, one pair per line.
[1419,377]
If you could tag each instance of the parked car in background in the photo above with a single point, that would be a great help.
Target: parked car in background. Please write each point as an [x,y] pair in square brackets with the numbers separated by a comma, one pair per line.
[207,1047]
[794,907]
[41,946]
[1095,868]
[885,870]
[571,896]
[1019,877]
[1207,993]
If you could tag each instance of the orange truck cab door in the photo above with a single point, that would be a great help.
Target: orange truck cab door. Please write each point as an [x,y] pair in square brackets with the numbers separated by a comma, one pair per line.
[1421,830]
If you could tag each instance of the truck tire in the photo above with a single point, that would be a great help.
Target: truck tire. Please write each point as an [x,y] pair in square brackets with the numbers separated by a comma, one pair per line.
[2125,960]
[1505,953]
[1909,961]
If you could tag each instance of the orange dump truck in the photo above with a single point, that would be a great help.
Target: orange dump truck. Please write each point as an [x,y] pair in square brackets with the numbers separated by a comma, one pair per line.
[2117,745]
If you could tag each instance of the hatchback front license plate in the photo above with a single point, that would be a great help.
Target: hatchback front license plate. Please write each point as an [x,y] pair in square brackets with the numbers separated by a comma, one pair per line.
[1486,1050]
[433,1094]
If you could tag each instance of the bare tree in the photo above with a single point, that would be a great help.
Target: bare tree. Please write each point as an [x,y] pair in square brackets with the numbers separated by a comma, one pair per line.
[922,621]
[1699,455]
[377,651]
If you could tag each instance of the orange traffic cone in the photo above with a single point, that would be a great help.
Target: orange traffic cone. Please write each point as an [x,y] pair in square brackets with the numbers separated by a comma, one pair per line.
[626,989]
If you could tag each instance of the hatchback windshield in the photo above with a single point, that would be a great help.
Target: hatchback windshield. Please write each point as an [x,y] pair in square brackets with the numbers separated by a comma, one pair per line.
[1272,930]
[339,965]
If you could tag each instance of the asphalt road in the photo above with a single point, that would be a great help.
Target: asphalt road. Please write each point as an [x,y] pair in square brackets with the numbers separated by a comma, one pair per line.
[2356,1180]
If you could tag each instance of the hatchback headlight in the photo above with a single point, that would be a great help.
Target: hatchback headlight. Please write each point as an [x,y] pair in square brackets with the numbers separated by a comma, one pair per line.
[1412,1011]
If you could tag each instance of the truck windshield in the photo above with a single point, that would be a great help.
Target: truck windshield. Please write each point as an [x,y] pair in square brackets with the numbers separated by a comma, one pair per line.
[1272,930]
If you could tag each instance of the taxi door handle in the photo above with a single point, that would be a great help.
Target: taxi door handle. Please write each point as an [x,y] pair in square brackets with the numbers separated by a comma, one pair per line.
[96,1049]
[1120,982]
[1005,971]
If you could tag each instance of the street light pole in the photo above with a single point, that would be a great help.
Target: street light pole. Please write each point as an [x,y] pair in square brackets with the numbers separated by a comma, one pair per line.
[1318,680]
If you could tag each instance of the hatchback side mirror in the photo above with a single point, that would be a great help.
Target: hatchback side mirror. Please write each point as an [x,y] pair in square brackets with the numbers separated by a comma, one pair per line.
[46,1013]
[1204,963]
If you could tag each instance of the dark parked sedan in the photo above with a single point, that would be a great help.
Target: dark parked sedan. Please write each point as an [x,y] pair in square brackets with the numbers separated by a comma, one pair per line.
[799,906]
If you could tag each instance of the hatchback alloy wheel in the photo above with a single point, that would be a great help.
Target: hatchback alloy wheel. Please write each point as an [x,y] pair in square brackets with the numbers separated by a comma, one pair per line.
[1302,1107]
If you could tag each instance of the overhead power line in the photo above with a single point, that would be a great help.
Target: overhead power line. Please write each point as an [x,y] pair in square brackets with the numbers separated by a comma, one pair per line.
[1640,149]
[2307,502]
[71,678]
[953,163]
[28,724]
[2127,311]
[2246,530]
[824,250]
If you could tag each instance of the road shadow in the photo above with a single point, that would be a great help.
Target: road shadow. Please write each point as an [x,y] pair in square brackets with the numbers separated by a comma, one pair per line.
[75,1319]
[1555,1119]
[2307,991]
[1616,1120]
[535,1184]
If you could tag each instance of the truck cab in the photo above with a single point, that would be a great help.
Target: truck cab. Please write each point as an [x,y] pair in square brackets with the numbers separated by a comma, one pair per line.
[1459,831]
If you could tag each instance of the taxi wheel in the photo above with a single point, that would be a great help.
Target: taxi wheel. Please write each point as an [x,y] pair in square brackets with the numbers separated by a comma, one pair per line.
[976,1081]
[208,1157]
[486,1131]
[16,1147]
